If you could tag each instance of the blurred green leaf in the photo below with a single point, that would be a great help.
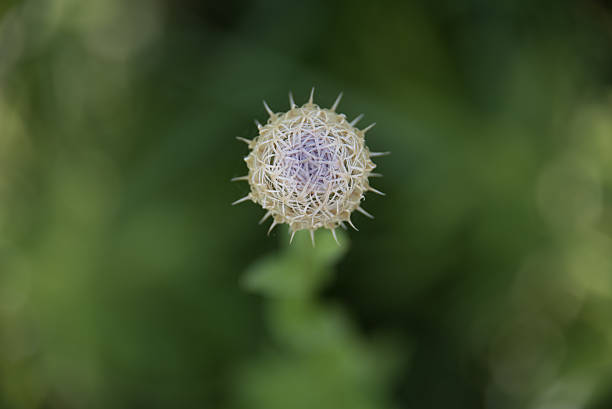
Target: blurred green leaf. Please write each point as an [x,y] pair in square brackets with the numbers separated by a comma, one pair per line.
[318,358]
[300,270]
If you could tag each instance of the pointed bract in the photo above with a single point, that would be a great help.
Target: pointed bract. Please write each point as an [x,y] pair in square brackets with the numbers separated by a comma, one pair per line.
[245,140]
[357,119]
[366,129]
[333,232]
[242,199]
[311,98]
[377,191]
[274,223]
[269,111]
[375,154]
[336,102]
[360,209]
[265,217]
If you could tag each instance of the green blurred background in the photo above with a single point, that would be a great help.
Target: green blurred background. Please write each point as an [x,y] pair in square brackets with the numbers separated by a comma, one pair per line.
[128,281]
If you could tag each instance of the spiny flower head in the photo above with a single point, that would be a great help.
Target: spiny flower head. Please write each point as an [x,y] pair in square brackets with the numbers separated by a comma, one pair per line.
[309,167]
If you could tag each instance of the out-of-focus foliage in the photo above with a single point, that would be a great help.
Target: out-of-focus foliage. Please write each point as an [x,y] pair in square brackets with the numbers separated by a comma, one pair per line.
[490,258]
[315,358]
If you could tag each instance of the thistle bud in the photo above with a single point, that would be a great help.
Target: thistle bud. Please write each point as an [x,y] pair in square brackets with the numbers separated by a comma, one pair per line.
[309,168]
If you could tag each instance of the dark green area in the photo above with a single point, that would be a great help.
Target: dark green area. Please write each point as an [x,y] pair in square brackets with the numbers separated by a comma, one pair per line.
[128,281]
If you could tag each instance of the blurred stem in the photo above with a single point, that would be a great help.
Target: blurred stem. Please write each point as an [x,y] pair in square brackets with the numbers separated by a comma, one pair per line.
[317,358]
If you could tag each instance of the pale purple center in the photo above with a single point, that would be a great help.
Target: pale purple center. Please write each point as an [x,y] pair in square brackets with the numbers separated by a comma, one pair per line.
[309,164]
